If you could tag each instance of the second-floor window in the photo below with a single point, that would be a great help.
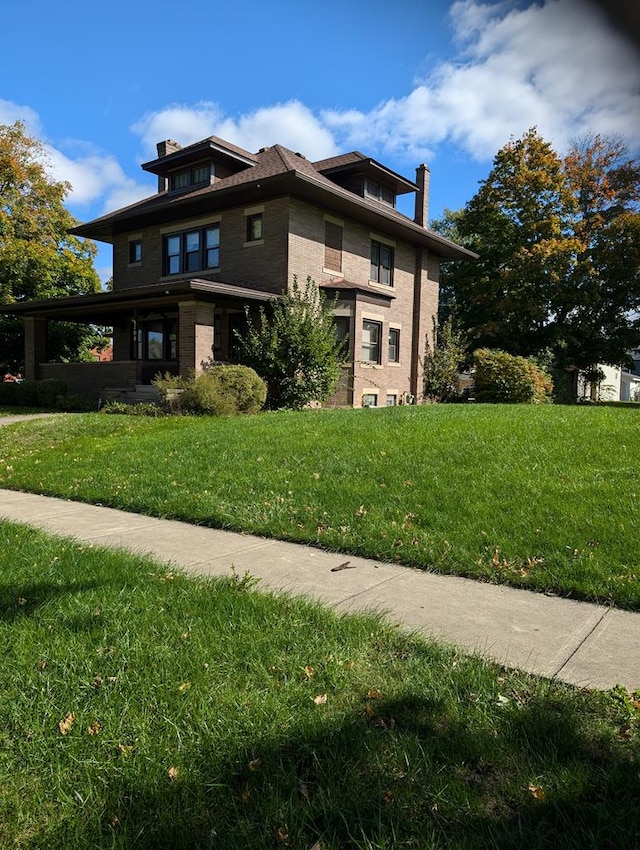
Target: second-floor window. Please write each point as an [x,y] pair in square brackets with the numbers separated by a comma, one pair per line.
[381,263]
[135,251]
[332,246]
[192,251]
[254,227]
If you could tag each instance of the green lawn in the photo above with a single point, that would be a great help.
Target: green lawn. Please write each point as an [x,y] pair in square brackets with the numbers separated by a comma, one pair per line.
[540,497]
[143,709]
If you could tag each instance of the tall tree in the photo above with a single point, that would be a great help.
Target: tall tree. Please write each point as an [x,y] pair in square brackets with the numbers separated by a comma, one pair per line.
[38,258]
[557,239]
[600,318]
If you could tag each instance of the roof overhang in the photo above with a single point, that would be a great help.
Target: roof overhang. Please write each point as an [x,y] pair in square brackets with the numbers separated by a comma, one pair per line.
[109,307]
[163,209]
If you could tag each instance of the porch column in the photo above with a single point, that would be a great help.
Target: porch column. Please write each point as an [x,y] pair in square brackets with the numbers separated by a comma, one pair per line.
[35,346]
[195,336]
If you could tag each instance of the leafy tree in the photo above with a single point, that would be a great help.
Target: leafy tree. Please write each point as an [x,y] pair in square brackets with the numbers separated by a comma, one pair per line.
[294,347]
[38,258]
[442,362]
[559,254]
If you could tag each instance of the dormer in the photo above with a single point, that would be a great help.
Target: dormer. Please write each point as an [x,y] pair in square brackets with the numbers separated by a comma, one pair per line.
[365,177]
[196,166]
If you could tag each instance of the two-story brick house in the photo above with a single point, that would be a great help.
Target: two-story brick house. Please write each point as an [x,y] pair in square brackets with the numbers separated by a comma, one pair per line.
[228,229]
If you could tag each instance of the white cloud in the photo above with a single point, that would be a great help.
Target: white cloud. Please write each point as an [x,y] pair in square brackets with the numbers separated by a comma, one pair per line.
[556,65]
[11,112]
[291,124]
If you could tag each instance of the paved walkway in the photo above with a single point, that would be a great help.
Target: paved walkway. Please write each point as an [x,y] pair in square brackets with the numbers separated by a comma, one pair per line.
[587,645]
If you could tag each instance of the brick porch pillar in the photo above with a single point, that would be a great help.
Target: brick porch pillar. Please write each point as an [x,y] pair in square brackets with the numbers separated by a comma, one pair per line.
[35,346]
[195,336]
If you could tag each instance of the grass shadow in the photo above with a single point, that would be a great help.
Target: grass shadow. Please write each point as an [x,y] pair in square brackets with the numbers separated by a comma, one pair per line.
[403,775]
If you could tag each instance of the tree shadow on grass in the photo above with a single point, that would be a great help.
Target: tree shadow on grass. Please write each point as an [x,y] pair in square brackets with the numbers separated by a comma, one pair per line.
[24,600]
[396,774]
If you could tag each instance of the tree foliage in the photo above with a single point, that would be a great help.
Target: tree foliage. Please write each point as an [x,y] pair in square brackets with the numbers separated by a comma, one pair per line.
[294,347]
[38,257]
[509,379]
[559,266]
[442,362]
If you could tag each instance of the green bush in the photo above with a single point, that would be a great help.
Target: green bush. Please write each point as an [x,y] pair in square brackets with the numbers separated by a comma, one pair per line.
[49,391]
[146,408]
[505,378]
[74,404]
[27,394]
[223,391]
[8,394]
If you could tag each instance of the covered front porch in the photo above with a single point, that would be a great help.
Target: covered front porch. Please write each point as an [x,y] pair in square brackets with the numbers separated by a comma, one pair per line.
[180,328]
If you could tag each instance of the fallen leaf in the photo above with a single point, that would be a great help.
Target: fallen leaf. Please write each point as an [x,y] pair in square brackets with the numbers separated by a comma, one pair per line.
[374,694]
[321,699]
[308,672]
[184,687]
[173,773]
[22,601]
[126,749]
[42,663]
[95,728]
[536,791]
[65,725]
[97,682]
[283,834]
[254,764]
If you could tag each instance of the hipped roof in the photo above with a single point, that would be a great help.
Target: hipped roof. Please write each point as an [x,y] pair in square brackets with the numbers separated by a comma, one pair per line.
[277,172]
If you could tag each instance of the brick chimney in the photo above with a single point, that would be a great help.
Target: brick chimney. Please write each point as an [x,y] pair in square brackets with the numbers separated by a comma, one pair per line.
[423,175]
[164,149]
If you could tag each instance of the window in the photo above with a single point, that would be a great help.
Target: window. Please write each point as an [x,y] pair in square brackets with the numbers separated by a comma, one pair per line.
[254,227]
[370,400]
[199,175]
[135,251]
[394,345]
[343,324]
[392,399]
[380,193]
[381,263]
[371,333]
[194,250]
[332,246]
[158,340]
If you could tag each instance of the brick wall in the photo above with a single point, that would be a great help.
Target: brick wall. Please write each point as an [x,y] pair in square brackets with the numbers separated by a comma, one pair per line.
[93,380]
[259,265]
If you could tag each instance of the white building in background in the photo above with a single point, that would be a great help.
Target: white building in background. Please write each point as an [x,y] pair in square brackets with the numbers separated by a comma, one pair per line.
[618,383]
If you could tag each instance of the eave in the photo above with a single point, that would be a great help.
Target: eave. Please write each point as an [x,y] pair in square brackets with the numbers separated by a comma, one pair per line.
[107,307]
[164,209]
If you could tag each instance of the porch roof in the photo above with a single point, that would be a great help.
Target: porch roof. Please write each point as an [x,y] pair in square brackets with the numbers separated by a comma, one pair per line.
[107,307]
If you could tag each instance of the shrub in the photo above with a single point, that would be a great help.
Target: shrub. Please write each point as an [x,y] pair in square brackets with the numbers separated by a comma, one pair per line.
[145,408]
[502,377]
[27,394]
[223,391]
[8,394]
[49,391]
[294,346]
[74,404]
[442,363]
[170,388]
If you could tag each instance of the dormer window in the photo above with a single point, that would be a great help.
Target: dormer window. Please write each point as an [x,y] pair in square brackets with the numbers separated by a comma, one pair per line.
[198,175]
[379,193]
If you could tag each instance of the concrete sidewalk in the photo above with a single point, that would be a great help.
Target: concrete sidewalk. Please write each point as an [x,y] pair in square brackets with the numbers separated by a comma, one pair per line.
[580,643]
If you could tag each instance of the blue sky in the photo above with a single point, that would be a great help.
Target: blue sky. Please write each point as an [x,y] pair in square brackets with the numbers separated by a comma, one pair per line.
[404,81]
